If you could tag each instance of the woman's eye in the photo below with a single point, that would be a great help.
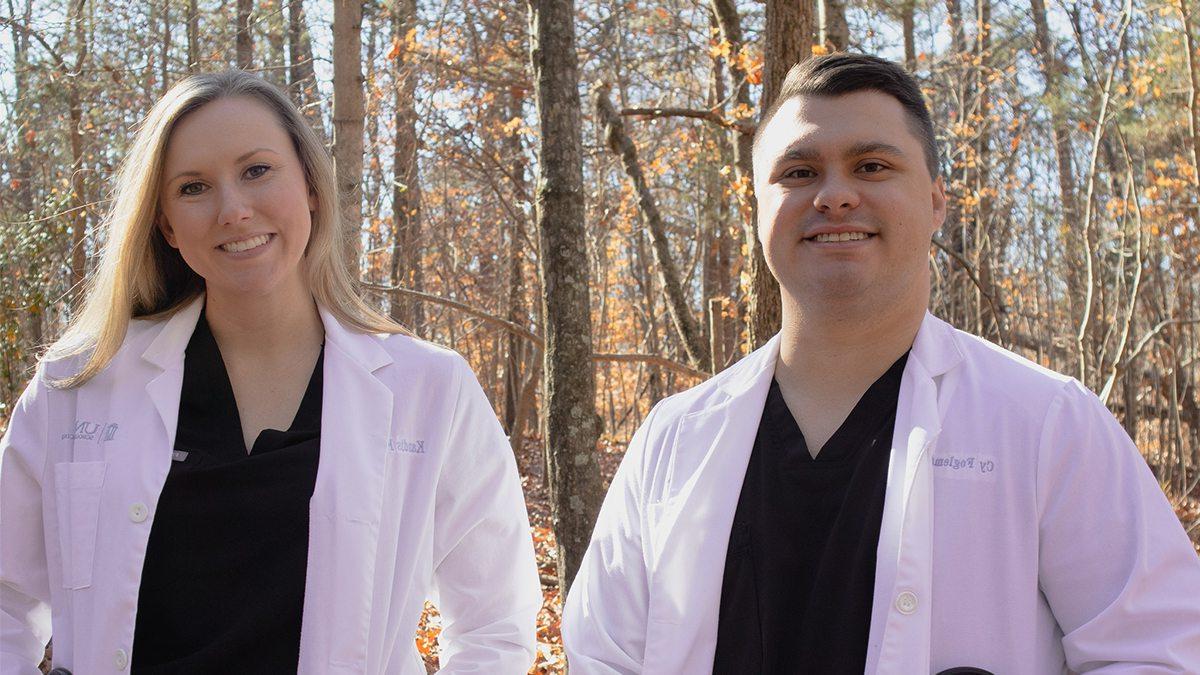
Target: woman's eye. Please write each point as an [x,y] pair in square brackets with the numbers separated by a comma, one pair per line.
[257,170]
[191,189]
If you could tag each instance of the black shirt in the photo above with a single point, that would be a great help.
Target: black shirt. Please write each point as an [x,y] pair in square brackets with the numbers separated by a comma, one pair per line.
[223,580]
[800,570]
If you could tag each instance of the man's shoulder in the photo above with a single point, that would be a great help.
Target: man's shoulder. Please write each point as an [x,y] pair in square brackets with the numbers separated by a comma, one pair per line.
[1002,367]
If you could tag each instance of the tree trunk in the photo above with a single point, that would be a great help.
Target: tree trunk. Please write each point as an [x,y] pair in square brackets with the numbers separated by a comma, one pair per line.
[570,386]
[1053,69]
[245,41]
[908,21]
[348,107]
[762,291]
[834,31]
[690,332]
[164,73]
[193,36]
[302,79]
[406,186]
[788,41]
[78,186]
[514,383]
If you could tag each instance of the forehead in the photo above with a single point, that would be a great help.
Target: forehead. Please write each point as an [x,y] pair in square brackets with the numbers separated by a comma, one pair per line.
[219,128]
[830,124]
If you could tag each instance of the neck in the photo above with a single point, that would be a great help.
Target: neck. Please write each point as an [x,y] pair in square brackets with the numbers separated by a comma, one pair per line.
[265,325]
[832,352]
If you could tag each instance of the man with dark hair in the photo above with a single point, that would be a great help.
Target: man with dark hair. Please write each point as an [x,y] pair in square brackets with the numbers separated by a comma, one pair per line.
[873,490]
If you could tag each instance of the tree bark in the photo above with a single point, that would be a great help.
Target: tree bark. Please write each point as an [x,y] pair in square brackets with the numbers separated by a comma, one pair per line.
[834,31]
[348,107]
[164,73]
[78,185]
[302,79]
[762,291]
[406,185]
[516,401]
[245,41]
[908,22]
[690,332]
[787,41]
[570,387]
[193,36]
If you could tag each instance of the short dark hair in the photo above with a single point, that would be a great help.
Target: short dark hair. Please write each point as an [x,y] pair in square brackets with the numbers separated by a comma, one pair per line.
[842,73]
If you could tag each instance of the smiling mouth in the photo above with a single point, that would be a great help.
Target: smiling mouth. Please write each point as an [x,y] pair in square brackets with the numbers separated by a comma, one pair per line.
[245,244]
[839,236]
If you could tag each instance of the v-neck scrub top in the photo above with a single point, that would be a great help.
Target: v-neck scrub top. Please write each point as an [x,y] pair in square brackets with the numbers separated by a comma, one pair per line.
[223,580]
[799,575]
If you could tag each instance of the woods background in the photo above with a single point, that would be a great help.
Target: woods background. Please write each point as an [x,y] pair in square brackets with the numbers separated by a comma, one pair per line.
[1070,144]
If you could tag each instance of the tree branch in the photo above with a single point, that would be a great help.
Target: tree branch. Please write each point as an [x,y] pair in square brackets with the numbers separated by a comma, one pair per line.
[706,115]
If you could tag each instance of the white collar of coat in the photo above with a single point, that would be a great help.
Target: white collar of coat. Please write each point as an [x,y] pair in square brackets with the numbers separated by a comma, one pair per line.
[935,349]
[167,348]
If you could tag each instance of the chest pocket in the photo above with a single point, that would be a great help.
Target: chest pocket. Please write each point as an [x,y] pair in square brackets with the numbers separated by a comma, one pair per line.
[78,488]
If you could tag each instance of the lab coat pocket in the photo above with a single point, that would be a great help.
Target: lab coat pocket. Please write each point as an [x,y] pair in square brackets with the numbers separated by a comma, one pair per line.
[77,492]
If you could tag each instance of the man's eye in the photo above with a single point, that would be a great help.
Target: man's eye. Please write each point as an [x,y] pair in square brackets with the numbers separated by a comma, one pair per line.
[257,170]
[799,173]
[872,167]
[191,189]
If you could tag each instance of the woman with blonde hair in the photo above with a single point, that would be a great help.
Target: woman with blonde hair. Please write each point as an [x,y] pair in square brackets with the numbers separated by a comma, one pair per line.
[230,462]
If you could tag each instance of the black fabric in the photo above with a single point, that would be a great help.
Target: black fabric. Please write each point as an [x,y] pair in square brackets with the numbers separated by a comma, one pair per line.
[223,581]
[800,569]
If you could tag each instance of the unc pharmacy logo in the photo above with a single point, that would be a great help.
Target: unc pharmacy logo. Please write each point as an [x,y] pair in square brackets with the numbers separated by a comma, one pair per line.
[92,431]
[416,447]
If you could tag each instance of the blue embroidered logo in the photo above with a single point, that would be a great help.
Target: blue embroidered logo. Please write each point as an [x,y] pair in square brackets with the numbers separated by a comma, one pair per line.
[966,466]
[84,430]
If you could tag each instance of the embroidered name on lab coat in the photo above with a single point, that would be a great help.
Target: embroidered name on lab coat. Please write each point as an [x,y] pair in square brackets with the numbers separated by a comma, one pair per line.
[83,430]
[415,447]
[971,467]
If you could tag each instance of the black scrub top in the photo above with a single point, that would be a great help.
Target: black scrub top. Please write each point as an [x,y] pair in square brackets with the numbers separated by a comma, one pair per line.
[799,574]
[223,580]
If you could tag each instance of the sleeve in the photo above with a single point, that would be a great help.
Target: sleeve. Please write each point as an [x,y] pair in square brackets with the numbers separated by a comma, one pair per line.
[605,616]
[485,575]
[24,577]
[1115,565]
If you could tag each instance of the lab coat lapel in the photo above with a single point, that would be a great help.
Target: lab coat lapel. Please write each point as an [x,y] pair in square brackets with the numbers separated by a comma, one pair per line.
[691,524]
[347,501]
[166,352]
[899,639]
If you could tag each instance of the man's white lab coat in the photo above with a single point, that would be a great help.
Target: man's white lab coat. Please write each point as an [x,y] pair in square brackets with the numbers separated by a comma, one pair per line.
[1022,532]
[416,496]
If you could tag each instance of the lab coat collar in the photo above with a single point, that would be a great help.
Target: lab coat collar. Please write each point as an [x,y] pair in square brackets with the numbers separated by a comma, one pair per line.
[362,348]
[167,348]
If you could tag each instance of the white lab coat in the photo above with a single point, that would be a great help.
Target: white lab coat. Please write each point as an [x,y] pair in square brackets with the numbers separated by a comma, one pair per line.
[1022,532]
[417,496]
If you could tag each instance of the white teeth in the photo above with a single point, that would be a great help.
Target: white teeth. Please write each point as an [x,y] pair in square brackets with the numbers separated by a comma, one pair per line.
[246,244]
[841,236]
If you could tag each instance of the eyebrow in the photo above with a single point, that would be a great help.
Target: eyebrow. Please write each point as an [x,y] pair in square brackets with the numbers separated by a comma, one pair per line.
[239,160]
[806,154]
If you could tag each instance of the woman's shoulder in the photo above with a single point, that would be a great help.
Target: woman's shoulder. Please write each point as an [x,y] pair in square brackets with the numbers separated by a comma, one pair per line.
[70,354]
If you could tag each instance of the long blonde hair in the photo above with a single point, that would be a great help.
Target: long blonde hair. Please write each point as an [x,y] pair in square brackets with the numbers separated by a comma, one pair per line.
[140,276]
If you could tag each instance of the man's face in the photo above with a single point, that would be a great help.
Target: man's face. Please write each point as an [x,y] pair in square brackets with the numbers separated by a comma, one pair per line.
[846,205]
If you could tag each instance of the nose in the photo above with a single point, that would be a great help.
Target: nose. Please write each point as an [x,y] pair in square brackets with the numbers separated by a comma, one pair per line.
[836,195]
[235,207]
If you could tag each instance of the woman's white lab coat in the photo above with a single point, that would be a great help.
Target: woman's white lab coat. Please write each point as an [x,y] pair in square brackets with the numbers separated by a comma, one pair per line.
[1022,532]
[417,495]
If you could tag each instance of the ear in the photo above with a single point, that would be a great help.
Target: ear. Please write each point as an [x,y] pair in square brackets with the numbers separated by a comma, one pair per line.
[938,196]
[167,231]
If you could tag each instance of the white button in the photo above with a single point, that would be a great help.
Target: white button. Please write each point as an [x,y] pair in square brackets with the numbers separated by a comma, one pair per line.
[121,659]
[138,512]
[906,602]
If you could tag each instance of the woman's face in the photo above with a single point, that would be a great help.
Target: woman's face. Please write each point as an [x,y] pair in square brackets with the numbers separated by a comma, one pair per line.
[234,200]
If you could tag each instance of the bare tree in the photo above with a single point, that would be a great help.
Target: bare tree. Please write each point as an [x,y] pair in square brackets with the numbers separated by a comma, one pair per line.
[406,184]
[833,30]
[245,40]
[570,387]
[348,113]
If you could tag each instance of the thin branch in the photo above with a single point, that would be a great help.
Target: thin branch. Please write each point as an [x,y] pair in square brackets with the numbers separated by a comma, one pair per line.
[529,335]
[706,115]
